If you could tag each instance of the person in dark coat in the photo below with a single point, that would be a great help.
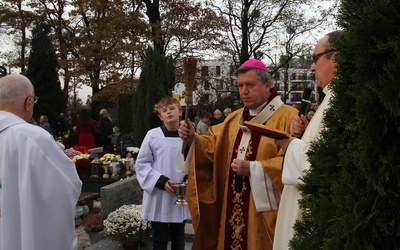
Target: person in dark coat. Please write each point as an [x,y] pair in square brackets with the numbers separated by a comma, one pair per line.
[44,123]
[218,118]
[62,125]
[105,129]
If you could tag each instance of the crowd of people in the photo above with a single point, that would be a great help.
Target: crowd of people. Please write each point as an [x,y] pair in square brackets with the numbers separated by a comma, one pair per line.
[310,110]
[239,196]
[84,131]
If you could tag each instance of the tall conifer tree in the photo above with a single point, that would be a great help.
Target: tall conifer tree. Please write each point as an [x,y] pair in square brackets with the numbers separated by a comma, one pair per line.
[43,72]
[351,193]
[156,81]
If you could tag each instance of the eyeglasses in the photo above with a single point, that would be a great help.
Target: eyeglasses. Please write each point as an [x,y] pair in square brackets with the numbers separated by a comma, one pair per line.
[317,56]
[35,98]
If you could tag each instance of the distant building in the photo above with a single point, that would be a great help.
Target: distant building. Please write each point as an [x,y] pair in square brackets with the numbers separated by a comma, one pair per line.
[215,79]
[298,79]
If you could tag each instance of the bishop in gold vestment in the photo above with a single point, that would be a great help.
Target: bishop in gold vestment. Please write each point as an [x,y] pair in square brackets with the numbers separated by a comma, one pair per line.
[224,217]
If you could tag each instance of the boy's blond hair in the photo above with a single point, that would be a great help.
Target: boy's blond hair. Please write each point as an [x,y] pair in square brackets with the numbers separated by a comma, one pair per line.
[166,101]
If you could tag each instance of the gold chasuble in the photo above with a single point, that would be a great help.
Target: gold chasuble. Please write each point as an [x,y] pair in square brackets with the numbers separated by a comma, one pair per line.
[222,217]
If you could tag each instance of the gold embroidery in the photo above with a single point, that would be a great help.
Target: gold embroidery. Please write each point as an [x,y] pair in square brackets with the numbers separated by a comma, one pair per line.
[249,150]
[236,220]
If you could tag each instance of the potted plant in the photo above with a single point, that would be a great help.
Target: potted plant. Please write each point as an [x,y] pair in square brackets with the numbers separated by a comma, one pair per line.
[127,226]
[93,224]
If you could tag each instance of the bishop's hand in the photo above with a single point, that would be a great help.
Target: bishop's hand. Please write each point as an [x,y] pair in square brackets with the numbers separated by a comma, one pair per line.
[186,131]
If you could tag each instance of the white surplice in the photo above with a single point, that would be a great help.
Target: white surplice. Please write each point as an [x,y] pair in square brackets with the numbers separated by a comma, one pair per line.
[294,165]
[157,156]
[39,189]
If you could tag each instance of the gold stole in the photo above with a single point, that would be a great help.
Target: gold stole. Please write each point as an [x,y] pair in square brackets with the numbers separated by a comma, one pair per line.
[236,224]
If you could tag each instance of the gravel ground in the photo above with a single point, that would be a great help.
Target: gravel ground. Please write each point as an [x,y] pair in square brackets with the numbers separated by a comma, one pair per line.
[83,236]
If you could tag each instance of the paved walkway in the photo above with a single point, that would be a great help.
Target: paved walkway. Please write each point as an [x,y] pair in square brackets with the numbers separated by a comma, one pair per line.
[108,244]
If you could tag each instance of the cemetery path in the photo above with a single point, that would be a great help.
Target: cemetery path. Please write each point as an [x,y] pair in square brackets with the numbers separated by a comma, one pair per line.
[83,238]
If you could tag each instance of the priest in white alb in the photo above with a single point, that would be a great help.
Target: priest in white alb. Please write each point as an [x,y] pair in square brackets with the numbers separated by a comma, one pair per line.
[296,159]
[39,185]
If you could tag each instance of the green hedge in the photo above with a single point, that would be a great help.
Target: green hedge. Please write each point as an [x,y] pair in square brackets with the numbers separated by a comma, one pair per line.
[125,116]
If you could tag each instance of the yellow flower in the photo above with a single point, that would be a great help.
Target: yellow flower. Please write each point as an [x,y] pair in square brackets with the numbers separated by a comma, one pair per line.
[109,157]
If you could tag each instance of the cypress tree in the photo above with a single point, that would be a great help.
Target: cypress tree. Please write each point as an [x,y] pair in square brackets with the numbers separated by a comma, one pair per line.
[351,193]
[156,81]
[125,122]
[43,73]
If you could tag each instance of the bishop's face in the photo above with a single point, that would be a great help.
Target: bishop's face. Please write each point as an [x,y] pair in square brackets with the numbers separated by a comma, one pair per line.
[253,92]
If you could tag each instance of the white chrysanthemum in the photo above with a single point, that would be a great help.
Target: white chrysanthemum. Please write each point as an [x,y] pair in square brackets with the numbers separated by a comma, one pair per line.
[126,223]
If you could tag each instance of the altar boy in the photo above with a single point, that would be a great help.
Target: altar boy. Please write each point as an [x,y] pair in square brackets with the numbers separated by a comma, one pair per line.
[156,173]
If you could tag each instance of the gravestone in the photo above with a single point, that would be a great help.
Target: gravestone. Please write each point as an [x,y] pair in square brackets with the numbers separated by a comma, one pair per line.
[124,192]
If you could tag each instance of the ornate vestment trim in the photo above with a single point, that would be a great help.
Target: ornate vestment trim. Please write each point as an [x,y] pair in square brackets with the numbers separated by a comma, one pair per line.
[266,195]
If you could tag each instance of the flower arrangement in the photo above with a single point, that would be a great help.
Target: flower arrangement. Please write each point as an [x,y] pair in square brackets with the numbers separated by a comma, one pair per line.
[76,155]
[133,150]
[126,224]
[107,158]
[82,149]
[70,152]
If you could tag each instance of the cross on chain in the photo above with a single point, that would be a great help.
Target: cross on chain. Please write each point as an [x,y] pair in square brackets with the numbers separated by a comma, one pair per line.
[272,107]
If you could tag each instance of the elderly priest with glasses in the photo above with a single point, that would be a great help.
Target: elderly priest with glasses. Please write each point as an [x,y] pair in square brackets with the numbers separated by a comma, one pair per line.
[39,185]
[303,134]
